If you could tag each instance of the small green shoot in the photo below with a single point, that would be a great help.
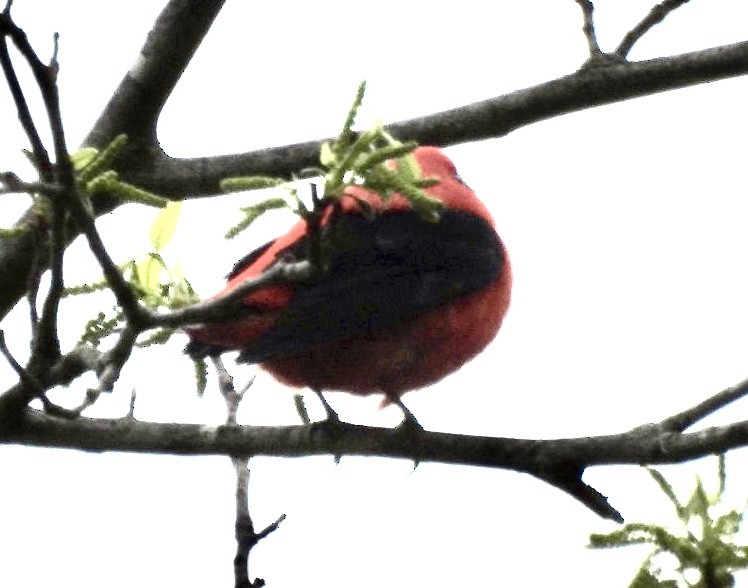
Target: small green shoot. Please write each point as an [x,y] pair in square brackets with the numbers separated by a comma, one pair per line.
[706,553]
[301,410]
[156,285]
[93,176]
[352,159]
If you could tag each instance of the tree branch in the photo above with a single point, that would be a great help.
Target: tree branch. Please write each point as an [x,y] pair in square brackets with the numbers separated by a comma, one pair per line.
[496,117]
[560,462]
[655,16]
[588,28]
[137,102]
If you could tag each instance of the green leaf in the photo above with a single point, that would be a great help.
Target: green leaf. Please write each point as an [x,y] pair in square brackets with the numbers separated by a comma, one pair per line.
[100,327]
[326,155]
[85,288]
[101,161]
[402,152]
[667,489]
[201,374]
[346,135]
[698,504]
[149,272]
[728,524]
[252,213]
[631,534]
[130,193]
[158,337]
[646,579]
[301,408]
[240,184]
[165,224]
[83,157]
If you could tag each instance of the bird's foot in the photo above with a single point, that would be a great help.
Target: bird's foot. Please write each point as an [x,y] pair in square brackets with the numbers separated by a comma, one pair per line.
[409,422]
[410,427]
[332,416]
[332,421]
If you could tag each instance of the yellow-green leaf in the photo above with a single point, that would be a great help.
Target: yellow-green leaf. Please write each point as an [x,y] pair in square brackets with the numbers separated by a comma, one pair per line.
[326,155]
[149,272]
[239,184]
[162,229]
[83,157]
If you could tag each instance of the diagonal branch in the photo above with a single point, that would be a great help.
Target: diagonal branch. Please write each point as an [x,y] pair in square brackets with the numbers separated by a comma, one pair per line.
[137,102]
[496,117]
[655,16]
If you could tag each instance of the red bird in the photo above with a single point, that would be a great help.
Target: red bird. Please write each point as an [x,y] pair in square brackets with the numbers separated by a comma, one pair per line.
[403,303]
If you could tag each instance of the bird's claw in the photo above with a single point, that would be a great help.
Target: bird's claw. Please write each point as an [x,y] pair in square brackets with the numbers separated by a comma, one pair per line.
[409,422]
[409,426]
[332,420]
[331,416]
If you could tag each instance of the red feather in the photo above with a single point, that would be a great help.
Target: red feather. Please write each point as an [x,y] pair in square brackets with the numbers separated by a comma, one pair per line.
[405,303]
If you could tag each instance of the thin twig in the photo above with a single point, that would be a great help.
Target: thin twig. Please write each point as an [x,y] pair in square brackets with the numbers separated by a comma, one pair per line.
[41,157]
[227,306]
[244,530]
[589,27]
[655,16]
[46,343]
[29,381]
[81,360]
[683,420]
[14,185]
[111,363]
[131,408]
[64,176]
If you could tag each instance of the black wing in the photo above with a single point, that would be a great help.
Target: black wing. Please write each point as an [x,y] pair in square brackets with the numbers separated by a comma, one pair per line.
[383,270]
[248,260]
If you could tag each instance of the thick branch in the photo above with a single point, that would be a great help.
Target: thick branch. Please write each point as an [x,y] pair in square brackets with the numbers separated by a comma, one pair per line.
[495,117]
[137,102]
[560,462]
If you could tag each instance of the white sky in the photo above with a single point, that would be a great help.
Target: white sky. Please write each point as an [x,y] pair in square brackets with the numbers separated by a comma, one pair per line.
[626,229]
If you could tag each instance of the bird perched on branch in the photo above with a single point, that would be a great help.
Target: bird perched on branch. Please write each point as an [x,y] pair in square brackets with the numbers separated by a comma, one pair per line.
[400,303]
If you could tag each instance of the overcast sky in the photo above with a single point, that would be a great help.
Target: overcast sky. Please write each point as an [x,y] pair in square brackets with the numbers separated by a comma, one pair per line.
[626,229]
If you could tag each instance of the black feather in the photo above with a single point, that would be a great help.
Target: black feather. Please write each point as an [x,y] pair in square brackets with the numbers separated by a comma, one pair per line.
[381,271]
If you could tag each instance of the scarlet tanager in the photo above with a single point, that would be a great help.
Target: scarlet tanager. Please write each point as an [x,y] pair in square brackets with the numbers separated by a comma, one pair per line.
[402,303]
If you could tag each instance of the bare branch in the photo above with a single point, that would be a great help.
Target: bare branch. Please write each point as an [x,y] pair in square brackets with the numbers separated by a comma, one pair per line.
[681,421]
[246,537]
[655,16]
[227,307]
[24,115]
[586,88]
[70,366]
[27,379]
[142,93]
[589,27]
[560,462]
